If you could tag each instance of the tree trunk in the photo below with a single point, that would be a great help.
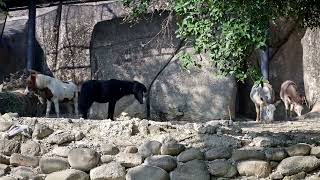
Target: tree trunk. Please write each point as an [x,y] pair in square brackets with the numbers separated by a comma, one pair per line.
[311,67]
[264,64]
[31,36]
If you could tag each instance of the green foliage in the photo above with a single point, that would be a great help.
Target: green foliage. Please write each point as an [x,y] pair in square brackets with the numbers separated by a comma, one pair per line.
[3,7]
[187,61]
[138,7]
[230,30]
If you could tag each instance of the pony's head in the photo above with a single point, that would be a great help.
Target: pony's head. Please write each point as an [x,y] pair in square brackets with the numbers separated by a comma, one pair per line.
[138,90]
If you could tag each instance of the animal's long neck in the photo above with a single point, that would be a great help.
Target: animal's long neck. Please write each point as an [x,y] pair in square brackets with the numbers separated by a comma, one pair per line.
[42,81]
[295,96]
[127,88]
[293,93]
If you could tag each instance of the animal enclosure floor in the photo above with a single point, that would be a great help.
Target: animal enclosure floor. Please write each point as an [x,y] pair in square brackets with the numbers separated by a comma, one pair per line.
[133,131]
[307,125]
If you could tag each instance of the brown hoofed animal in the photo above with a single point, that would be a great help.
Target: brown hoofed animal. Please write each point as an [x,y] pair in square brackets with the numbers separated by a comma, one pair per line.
[293,101]
[54,90]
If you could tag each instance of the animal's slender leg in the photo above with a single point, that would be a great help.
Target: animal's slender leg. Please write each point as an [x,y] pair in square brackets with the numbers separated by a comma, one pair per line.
[111,107]
[48,108]
[260,112]
[75,103]
[257,112]
[56,107]
[84,107]
[85,114]
[291,110]
[287,108]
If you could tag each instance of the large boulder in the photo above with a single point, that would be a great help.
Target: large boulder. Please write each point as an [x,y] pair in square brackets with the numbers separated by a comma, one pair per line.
[300,175]
[255,168]
[149,148]
[190,154]
[30,148]
[112,171]
[192,170]
[4,159]
[5,124]
[107,158]
[222,168]
[4,169]
[61,151]
[298,150]
[41,131]
[52,164]
[131,149]
[173,95]
[7,178]
[23,160]
[275,154]
[69,174]
[244,154]
[15,33]
[129,159]
[8,147]
[83,159]
[172,148]
[315,151]
[310,46]
[165,162]
[23,172]
[109,149]
[296,164]
[220,152]
[60,137]
[145,172]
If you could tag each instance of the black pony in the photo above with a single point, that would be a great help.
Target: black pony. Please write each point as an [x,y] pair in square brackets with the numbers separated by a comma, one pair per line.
[103,91]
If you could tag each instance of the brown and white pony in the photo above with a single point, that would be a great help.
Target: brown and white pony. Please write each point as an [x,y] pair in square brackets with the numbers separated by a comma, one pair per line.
[54,91]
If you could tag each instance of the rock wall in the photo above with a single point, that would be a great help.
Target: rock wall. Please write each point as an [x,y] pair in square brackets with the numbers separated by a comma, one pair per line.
[128,51]
[134,51]
[13,47]
[79,42]
[311,55]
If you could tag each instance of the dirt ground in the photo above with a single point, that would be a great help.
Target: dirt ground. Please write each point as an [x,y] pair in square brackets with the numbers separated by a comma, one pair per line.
[126,131]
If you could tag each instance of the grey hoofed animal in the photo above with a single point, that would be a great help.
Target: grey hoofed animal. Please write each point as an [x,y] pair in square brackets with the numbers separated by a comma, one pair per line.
[293,101]
[261,96]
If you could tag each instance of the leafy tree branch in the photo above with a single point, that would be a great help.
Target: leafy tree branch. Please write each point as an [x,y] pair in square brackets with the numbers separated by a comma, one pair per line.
[230,30]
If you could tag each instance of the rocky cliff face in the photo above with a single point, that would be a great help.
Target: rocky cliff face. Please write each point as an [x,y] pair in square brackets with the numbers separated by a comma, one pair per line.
[286,63]
[311,64]
[135,51]
[90,41]
[65,37]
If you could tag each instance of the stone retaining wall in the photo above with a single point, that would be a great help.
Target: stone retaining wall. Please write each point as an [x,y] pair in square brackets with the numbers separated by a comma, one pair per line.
[135,149]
